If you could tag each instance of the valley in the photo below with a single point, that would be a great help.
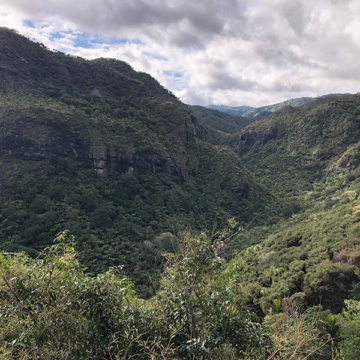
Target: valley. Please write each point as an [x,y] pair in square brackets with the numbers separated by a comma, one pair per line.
[265,208]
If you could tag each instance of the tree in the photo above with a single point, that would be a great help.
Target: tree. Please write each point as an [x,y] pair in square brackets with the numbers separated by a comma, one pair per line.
[349,322]
[51,310]
[298,335]
[200,308]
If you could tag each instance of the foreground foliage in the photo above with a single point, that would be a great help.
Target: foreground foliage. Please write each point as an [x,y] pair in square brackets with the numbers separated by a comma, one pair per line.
[51,309]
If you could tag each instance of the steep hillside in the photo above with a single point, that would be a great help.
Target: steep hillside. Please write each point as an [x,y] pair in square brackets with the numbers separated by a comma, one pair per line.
[108,153]
[297,147]
[313,257]
[310,156]
[218,124]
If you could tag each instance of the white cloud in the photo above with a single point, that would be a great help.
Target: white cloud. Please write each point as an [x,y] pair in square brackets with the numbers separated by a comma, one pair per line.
[238,52]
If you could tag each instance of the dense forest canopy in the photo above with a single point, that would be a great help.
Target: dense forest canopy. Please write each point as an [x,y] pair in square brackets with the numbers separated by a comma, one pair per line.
[107,153]
[191,233]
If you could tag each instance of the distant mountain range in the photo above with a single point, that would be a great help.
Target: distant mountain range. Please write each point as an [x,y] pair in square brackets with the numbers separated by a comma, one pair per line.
[264,111]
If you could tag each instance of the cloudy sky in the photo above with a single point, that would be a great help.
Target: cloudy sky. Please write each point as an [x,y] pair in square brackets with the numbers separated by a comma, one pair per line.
[230,52]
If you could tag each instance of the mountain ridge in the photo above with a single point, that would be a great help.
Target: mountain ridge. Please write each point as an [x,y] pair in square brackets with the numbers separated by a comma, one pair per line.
[261,112]
[109,154]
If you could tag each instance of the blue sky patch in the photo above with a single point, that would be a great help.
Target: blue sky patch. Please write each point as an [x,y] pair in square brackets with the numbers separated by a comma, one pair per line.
[173,74]
[86,41]
[28,23]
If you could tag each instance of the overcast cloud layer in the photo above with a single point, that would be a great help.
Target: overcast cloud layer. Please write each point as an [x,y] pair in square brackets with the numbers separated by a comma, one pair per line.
[236,52]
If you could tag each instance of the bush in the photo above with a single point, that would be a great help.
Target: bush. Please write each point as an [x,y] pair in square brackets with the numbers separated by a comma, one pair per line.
[51,310]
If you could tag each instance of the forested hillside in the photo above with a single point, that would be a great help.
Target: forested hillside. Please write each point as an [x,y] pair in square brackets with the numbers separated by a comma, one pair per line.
[107,153]
[191,233]
[220,120]
[296,147]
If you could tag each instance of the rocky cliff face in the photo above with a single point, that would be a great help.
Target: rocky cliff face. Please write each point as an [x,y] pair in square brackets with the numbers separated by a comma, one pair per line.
[251,136]
[101,113]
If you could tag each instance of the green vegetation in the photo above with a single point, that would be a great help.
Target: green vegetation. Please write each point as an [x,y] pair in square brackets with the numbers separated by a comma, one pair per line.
[109,154]
[51,309]
[144,183]
[313,259]
[220,121]
[290,151]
